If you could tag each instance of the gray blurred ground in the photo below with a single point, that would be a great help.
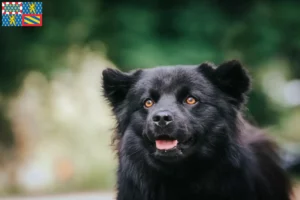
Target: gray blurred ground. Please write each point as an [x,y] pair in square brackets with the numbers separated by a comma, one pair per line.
[82,196]
[97,196]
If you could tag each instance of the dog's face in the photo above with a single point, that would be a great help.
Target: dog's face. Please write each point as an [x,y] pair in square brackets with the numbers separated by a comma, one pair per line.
[167,114]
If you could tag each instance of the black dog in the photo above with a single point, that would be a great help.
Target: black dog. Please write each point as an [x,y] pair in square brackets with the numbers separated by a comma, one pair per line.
[181,136]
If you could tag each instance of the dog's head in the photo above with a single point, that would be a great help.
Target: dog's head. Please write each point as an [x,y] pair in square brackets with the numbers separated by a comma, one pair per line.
[167,114]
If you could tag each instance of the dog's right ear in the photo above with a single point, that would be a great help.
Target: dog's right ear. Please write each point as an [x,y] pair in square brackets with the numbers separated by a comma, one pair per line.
[116,85]
[231,77]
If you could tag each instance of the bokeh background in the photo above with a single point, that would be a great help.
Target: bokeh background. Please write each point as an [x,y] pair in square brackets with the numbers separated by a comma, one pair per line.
[55,127]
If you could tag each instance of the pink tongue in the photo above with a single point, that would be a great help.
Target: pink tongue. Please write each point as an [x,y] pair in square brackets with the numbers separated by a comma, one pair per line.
[166,144]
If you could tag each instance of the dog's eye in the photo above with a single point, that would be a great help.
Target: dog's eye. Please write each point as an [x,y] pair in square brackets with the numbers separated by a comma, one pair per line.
[190,100]
[148,103]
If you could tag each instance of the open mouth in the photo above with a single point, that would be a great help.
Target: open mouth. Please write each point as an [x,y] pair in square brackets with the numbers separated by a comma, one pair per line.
[169,149]
[165,142]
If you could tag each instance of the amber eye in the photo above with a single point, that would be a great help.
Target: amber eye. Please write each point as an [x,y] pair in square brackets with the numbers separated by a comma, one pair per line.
[190,100]
[148,103]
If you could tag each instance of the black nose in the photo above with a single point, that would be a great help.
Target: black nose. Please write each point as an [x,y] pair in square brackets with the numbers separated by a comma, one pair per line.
[162,118]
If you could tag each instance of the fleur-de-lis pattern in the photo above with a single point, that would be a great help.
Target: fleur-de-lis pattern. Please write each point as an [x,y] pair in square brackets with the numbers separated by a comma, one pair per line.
[22,13]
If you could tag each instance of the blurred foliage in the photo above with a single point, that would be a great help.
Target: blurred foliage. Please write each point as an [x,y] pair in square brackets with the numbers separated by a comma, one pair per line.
[6,136]
[137,34]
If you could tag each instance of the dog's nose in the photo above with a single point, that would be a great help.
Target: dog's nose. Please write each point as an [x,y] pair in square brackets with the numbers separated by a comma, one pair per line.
[162,118]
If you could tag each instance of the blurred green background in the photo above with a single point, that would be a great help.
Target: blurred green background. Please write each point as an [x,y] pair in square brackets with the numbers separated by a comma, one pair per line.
[55,126]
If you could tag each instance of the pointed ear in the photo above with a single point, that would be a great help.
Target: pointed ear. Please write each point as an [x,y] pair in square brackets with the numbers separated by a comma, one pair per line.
[230,77]
[116,85]
[233,78]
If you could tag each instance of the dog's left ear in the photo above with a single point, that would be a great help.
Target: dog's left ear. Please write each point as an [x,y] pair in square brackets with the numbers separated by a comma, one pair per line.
[230,77]
[116,85]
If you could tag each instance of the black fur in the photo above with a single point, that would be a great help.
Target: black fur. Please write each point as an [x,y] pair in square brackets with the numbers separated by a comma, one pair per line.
[219,156]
